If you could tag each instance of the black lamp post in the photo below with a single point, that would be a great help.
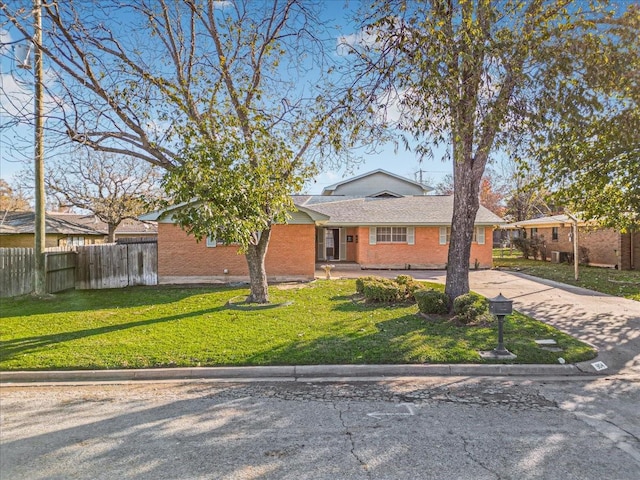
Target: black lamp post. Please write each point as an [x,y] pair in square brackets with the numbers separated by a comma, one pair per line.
[500,306]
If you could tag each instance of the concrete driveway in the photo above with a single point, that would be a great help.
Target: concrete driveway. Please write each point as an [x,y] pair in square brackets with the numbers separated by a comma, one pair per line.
[611,324]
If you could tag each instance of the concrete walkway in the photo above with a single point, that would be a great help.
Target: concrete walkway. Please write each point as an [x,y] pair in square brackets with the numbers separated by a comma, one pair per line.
[611,324]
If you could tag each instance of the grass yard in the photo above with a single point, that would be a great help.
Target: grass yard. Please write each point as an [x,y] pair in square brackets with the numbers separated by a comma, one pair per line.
[605,280]
[318,323]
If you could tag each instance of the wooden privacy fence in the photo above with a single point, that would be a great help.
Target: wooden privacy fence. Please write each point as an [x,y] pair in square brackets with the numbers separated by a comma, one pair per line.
[61,271]
[88,267]
[16,271]
[117,266]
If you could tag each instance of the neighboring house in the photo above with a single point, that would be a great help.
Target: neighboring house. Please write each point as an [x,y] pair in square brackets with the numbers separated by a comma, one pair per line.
[129,229]
[378,183]
[68,229]
[17,229]
[375,226]
[603,247]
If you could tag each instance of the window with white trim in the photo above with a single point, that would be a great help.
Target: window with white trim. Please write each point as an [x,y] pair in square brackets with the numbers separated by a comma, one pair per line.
[213,242]
[478,235]
[445,235]
[73,241]
[392,235]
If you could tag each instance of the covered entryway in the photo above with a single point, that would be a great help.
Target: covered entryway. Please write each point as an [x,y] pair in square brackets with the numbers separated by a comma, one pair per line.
[331,244]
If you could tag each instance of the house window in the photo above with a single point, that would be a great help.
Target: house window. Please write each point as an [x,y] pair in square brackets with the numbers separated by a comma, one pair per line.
[478,235]
[534,232]
[391,235]
[75,241]
[211,242]
[554,234]
[445,235]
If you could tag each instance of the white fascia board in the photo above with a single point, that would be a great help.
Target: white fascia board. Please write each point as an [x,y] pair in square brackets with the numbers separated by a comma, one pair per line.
[315,216]
[164,215]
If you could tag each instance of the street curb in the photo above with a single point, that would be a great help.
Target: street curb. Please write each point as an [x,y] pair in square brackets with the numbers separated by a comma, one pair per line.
[291,373]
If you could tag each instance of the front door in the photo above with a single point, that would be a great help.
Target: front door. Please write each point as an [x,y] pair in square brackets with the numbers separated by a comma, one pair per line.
[331,244]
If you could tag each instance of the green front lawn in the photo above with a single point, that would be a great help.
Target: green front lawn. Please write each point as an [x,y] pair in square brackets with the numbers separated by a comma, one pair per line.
[318,323]
[605,280]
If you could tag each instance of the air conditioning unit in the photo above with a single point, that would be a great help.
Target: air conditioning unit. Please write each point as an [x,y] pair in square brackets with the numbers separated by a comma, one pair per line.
[555,256]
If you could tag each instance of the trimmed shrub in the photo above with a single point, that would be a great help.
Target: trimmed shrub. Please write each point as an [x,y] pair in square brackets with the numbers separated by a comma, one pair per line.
[383,290]
[404,279]
[360,282]
[432,301]
[409,285]
[469,307]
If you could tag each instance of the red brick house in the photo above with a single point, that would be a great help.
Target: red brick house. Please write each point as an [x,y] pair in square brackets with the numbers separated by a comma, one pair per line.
[602,247]
[396,226]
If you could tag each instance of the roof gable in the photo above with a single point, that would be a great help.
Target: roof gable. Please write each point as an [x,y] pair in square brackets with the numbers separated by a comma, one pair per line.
[376,182]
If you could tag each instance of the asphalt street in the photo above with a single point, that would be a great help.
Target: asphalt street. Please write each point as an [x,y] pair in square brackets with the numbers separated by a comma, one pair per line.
[407,428]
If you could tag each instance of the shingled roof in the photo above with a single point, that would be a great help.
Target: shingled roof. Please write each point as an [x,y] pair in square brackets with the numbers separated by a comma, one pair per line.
[415,210]
[24,222]
[128,226]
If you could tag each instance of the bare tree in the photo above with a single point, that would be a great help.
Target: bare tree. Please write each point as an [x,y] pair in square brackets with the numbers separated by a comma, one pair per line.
[112,187]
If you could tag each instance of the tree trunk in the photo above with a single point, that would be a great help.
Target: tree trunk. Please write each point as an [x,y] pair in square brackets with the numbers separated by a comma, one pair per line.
[465,207]
[257,272]
[111,238]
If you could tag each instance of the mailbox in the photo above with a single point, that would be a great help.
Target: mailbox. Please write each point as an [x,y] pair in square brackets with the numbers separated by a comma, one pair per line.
[500,305]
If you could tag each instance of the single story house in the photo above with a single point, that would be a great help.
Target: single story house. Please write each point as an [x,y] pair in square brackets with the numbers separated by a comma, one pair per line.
[130,229]
[602,247]
[365,222]
[17,230]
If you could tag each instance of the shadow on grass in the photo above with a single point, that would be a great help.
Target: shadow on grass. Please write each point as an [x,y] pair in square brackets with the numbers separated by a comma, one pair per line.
[90,300]
[20,346]
[403,339]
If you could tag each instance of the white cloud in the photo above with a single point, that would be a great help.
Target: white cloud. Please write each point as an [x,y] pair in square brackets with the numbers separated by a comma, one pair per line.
[362,38]
[17,99]
[221,4]
[5,37]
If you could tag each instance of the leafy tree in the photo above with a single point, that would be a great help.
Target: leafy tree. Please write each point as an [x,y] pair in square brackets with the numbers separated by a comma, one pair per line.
[219,96]
[485,75]
[12,199]
[589,153]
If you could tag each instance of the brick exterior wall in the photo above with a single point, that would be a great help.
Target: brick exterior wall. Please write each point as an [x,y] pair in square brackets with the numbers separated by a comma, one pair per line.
[291,256]
[425,253]
[604,246]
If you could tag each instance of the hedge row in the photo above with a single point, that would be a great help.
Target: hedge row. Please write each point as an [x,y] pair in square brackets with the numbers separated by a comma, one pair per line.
[467,308]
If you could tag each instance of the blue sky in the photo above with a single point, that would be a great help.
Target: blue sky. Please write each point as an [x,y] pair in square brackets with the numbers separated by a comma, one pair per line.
[401,162]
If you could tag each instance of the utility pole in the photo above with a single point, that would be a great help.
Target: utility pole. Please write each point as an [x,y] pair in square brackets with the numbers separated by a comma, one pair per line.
[419,175]
[576,250]
[39,281]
